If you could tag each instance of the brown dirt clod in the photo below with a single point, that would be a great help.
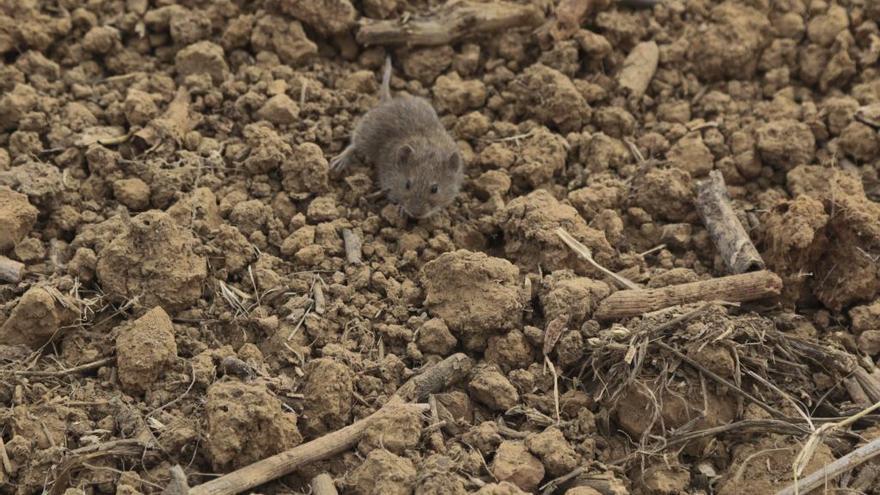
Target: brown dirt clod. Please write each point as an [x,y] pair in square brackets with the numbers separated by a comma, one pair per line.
[245,424]
[144,349]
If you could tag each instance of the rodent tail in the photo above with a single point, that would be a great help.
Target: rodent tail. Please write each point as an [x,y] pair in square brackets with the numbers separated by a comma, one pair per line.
[385,90]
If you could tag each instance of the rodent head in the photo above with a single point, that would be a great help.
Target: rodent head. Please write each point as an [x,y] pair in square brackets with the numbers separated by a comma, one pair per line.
[429,178]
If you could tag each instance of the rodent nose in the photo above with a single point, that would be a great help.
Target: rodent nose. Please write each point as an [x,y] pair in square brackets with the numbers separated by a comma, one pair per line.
[416,211]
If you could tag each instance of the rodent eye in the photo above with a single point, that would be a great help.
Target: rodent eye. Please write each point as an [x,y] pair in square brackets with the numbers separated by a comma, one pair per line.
[434,188]
[408,184]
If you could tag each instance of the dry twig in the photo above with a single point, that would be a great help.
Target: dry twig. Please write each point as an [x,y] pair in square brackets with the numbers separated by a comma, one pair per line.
[735,288]
[434,379]
[821,476]
[730,238]
[449,23]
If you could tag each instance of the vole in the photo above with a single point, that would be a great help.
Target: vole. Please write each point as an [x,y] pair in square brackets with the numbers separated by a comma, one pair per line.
[418,164]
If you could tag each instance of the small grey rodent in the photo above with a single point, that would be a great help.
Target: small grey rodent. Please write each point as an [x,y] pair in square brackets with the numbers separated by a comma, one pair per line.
[418,164]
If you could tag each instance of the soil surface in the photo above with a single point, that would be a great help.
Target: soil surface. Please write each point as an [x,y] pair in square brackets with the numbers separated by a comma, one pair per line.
[200,290]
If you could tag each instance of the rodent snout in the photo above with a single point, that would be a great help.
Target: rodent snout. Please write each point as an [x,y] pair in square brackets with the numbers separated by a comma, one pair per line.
[417,211]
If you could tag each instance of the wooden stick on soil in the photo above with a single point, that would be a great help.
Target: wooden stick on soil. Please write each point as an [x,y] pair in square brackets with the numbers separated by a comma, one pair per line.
[10,270]
[821,476]
[322,484]
[450,23]
[734,288]
[731,239]
[432,380]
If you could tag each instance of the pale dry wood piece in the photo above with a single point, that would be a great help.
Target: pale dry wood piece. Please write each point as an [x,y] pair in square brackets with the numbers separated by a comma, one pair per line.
[353,245]
[730,238]
[450,23]
[639,68]
[10,270]
[820,477]
[434,379]
[322,484]
[733,288]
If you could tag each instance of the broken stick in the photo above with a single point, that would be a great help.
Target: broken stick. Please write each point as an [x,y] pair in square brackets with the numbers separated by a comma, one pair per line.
[449,23]
[432,380]
[828,472]
[10,270]
[733,288]
[730,238]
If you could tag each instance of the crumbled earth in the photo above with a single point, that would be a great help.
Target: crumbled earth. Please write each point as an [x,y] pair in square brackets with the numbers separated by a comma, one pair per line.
[144,349]
[200,289]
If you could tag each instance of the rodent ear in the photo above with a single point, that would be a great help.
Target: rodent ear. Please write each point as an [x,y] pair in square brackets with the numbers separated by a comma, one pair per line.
[404,153]
[454,162]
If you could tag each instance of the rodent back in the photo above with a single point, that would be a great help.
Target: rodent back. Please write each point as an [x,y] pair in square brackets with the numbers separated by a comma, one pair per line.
[391,123]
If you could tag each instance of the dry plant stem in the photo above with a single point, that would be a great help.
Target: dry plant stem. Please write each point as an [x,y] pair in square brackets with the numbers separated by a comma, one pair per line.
[322,484]
[284,463]
[806,453]
[76,369]
[353,245]
[773,411]
[734,288]
[419,387]
[585,253]
[450,23]
[730,238]
[10,270]
[821,476]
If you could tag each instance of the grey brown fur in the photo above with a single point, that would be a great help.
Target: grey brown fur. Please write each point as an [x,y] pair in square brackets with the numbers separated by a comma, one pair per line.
[418,164]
